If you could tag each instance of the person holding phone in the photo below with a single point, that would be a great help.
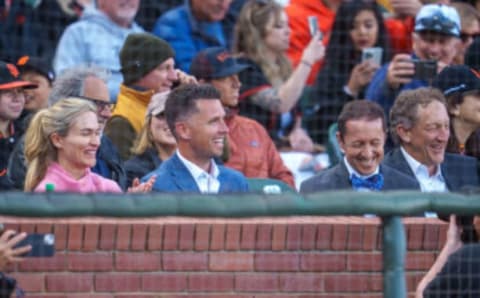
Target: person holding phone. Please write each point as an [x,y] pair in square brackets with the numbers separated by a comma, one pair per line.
[9,253]
[435,37]
[344,77]
[147,68]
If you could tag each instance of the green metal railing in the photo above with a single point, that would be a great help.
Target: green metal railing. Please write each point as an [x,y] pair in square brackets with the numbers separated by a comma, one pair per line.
[389,206]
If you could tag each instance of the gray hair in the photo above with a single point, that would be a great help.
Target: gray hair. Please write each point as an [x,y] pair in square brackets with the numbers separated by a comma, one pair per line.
[70,83]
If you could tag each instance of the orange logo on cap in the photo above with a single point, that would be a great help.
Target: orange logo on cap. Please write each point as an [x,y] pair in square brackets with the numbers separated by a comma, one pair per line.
[223,56]
[23,60]
[13,70]
[476,73]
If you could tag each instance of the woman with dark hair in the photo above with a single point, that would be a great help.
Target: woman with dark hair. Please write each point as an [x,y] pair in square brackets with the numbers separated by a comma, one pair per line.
[344,77]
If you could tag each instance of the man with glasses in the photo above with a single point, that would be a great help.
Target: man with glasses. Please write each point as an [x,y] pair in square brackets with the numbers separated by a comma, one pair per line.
[12,101]
[470,20]
[435,38]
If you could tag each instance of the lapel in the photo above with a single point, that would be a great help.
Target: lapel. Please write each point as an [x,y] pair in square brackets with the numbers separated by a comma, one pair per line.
[181,177]
[450,174]
[341,176]
[398,161]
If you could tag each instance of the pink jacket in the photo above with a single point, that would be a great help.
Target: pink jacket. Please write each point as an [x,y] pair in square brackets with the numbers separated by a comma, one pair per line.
[64,182]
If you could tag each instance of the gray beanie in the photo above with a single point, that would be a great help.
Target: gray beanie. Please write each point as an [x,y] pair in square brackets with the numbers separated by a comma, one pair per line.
[140,54]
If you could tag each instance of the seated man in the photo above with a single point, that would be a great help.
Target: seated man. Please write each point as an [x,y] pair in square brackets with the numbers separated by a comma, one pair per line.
[195,117]
[361,134]
[420,124]
[251,150]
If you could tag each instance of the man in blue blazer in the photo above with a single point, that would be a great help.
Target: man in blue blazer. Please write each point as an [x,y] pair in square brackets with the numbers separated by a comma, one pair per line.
[420,124]
[361,135]
[195,116]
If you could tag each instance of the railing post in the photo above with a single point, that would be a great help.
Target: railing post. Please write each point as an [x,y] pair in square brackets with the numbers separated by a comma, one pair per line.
[394,250]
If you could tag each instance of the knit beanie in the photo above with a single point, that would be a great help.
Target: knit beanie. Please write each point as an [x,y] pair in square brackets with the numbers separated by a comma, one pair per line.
[140,54]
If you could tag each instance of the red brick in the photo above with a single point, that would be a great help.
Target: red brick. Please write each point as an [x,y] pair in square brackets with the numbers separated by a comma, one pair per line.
[139,237]
[419,260]
[218,237]
[117,282]
[301,282]
[123,236]
[309,232]
[164,282]
[413,279]
[431,237]
[185,261]
[277,262]
[257,282]
[30,282]
[370,236]
[69,282]
[155,237]
[85,262]
[209,282]
[323,262]
[202,237]
[75,236]
[137,261]
[339,237]
[375,283]
[294,237]
[186,238]
[60,236]
[364,262]
[231,261]
[264,237]
[91,237]
[249,232]
[170,237]
[279,236]
[415,237]
[232,241]
[56,263]
[355,237]
[44,228]
[346,283]
[107,236]
[324,236]
[442,236]
[28,228]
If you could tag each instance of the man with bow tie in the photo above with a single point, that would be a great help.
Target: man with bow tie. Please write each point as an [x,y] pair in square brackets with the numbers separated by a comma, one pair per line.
[361,136]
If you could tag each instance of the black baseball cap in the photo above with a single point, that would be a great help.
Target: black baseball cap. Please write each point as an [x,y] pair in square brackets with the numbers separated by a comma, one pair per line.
[214,63]
[10,77]
[457,79]
[36,64]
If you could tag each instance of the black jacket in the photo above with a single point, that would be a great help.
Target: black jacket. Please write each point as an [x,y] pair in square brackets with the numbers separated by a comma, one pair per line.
[142,164]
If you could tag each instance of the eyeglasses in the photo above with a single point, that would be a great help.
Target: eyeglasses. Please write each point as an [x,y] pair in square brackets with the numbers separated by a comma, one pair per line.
[466,36]
[100,104]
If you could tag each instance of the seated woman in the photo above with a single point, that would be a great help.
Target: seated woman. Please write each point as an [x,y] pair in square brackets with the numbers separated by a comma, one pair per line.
[461,87]
[155,142]
[270,89]
[61,143]
[344,77]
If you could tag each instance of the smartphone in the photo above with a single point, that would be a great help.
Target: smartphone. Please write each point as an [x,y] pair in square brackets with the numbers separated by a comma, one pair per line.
[43,245]
[425,70]
[313,26]
[374,54]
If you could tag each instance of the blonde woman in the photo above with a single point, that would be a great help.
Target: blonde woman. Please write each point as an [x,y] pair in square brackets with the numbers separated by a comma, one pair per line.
[60,148]
[271,89]
[155,142]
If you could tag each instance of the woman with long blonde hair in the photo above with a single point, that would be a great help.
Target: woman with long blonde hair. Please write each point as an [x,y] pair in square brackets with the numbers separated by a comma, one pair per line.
[271,89]
[60,148]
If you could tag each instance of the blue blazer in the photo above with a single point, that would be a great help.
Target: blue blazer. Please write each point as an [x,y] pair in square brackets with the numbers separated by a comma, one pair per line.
[173,176]
[338,178]
[458,170]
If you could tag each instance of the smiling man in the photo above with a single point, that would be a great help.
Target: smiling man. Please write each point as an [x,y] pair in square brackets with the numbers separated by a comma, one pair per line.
[420,124]
[195,116]
[361,136]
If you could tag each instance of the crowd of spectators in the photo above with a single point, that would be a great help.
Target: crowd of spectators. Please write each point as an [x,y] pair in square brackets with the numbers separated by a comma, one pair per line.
[201,95]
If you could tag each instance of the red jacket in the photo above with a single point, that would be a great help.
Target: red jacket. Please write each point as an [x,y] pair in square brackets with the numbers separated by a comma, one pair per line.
[253,152]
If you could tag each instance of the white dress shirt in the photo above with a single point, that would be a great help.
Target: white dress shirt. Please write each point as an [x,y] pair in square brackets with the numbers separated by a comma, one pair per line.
[206,182]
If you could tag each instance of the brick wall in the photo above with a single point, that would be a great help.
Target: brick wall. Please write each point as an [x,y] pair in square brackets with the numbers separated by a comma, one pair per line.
[301,257]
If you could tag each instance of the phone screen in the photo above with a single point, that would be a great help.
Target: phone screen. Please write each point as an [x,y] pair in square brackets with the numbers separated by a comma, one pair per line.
[313,26]
[425,70]
[374,54]
[43,245]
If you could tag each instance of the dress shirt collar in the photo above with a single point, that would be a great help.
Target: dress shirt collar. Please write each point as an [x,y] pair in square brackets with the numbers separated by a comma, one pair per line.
[352,171]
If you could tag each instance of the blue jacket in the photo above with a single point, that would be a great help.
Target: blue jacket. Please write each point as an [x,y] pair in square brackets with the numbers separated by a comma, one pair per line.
[173,176]
[187,35]
[380,92]
[94,39]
